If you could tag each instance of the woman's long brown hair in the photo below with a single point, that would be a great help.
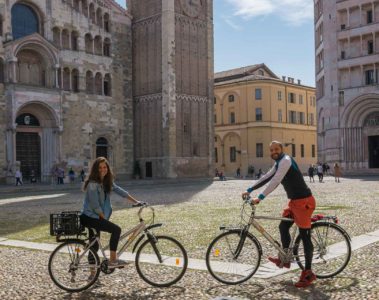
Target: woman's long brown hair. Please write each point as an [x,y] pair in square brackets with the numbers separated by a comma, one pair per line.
[94,175]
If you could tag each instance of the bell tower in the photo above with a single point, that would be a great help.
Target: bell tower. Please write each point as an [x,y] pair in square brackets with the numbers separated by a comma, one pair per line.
[173,87]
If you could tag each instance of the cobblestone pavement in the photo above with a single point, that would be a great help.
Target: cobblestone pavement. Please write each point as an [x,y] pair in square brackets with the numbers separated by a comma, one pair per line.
[23,273]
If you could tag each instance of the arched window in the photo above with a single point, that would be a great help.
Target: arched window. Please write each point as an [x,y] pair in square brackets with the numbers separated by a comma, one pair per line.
[92,13]
[27,120]
[99,84]
[99,17]
[98,45]
[76,4]
[1,25]
[107,47]
[66,79]
[107,23]
[24,21]
[88,43]
[74,40]
[89,82]
[75,80]
[85,8]
[107,85]
[65,39]
[231,98]
[57,37]
[1,71]
[102,147]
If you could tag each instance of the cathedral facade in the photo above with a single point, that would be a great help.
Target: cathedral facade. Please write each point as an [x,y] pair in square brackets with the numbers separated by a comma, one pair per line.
[72,88]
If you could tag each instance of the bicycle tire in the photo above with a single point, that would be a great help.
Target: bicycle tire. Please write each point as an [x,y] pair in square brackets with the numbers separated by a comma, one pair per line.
[322,255]
[174,260]
[65,253]
[215,266]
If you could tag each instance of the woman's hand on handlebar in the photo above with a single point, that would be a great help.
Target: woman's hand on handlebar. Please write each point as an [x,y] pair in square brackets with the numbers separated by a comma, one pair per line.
[139,203]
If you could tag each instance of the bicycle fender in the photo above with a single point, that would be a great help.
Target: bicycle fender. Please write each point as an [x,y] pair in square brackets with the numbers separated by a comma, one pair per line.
[250,235]
[142,236]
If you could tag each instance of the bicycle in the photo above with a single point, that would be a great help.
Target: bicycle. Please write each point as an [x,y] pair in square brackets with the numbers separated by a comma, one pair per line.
[73,266]
[234,256]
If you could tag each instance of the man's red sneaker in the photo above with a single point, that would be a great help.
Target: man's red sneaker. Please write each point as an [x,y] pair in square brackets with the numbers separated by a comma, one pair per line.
[306,279]
[279,263]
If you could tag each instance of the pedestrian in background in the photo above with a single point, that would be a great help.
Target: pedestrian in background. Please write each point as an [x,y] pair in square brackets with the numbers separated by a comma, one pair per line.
[71,175]
[320,173]
[18,176]
[311,173]
[82,175]
[337,172]
[238,173]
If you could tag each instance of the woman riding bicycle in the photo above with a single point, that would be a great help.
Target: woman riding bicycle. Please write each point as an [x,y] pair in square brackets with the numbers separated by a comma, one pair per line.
[97,207]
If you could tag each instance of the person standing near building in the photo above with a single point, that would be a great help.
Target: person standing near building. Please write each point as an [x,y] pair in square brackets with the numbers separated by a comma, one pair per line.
[18,176]
[337,172]
[301,205]
[82,175]
[71,175]
[320,173]
[311,173]
[238,172]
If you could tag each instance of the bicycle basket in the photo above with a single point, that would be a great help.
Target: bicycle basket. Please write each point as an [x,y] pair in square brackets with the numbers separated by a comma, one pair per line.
[65,223]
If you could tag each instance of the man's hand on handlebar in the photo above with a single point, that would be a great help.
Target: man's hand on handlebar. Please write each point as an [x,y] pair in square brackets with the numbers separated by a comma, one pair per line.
[246,196]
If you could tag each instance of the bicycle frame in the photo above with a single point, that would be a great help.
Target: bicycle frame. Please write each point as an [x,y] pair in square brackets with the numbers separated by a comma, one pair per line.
[131,233]
[287,255]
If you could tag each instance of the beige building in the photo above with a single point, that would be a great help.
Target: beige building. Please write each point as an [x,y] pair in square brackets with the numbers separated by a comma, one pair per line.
[87,78]
[252,107]
[347,76]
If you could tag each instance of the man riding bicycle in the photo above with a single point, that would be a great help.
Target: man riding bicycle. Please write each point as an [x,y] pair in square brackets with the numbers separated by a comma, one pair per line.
[301,205]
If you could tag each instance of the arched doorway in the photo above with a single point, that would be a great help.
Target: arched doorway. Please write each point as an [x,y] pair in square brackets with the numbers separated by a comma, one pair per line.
[37,140]
[360,134]
[28,145]
[371,125]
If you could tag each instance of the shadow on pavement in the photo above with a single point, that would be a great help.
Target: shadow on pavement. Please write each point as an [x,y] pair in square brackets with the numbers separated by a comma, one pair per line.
[246,291]
[23,215]
[141,294]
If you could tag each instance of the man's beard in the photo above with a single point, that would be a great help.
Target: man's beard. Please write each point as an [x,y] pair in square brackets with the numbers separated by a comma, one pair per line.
[275,156]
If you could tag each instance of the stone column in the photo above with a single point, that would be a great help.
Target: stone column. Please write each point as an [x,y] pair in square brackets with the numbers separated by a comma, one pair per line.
[168,88]
[10,137]
[48,152]
[56,70]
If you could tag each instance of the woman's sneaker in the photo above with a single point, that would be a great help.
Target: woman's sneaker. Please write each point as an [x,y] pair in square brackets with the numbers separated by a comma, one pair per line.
[118,263]
[278,262]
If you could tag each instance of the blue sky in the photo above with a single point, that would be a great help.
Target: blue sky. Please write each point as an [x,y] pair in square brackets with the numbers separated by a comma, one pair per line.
[278,33]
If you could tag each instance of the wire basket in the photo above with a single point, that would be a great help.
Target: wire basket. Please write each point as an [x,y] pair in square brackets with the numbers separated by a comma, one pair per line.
[66,223]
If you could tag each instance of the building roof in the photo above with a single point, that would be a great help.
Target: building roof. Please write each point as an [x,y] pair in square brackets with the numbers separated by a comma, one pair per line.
[242,72]
[249,74]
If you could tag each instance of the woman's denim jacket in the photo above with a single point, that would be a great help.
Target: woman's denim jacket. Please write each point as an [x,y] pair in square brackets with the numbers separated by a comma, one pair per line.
[96,201]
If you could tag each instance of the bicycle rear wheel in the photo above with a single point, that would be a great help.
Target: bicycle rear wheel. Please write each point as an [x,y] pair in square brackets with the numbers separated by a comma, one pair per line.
[332,249]
[233,258]
[72,267]
[161,261]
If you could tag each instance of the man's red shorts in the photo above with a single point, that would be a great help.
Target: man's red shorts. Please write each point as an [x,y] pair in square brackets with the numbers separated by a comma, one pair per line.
[301,211]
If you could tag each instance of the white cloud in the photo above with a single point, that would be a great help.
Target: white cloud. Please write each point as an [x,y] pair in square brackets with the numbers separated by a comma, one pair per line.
[294,12]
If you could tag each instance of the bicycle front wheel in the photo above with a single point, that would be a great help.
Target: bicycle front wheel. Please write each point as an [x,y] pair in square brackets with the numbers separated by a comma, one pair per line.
[161,261]
[72,267]
[331,249]
[233,257]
